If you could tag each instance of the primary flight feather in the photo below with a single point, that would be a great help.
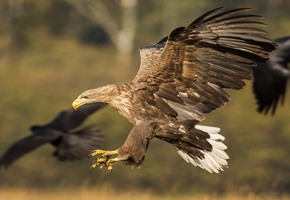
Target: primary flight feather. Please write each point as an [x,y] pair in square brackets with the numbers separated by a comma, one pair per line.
[181,78]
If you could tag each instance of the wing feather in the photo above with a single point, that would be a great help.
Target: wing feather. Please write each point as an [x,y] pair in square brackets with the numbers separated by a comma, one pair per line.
[218,50]
[71,118]
[27,145]
[270,78]
[79,144]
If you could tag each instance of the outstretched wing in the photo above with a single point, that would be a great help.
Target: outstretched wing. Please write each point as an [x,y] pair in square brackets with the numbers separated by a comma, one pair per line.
[71,118]
[26,145]
[186,75]
[79,144]
[270,78]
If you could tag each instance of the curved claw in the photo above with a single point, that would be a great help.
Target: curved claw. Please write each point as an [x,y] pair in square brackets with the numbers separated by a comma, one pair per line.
[110,168]
[104,159]
[103,153]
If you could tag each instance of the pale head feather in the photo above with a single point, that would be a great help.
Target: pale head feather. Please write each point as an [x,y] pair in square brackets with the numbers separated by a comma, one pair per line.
[103,94]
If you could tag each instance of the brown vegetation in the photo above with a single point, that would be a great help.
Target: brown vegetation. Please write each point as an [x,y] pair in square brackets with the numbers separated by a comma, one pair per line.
[104,194]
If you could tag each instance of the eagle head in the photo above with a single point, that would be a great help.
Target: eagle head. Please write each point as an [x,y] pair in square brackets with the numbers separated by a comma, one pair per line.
[103,94]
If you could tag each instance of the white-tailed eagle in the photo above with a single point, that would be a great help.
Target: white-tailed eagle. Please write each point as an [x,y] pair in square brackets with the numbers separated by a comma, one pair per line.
[181,78]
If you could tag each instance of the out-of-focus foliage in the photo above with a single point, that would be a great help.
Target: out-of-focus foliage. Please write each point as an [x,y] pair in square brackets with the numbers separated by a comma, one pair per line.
[49,53]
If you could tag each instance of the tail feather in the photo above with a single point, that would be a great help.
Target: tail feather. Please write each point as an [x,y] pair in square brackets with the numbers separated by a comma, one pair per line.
[209,129]
[217,144]
[220,153]
[212,161]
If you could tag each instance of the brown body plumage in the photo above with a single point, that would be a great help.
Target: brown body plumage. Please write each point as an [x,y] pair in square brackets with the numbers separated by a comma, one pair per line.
[180,79]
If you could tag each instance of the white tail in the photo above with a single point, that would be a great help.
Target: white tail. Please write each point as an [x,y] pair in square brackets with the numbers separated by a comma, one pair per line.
[214,160]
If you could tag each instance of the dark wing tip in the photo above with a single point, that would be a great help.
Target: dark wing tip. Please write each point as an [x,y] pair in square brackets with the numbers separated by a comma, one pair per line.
[176,32]
[158,45]
[214,14]
[162,41]
[8,158]
[199,19]
[4,164]
[265,108]
[270,103]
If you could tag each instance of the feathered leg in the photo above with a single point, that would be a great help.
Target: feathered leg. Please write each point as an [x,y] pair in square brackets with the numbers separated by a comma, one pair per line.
[132,152]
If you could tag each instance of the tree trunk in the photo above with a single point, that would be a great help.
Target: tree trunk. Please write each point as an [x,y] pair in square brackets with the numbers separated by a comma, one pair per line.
[121,30]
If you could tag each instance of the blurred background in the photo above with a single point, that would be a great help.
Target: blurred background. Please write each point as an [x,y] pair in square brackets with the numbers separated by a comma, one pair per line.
[51,51]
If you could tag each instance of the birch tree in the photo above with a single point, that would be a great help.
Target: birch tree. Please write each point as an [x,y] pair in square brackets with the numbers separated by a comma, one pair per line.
[121,28]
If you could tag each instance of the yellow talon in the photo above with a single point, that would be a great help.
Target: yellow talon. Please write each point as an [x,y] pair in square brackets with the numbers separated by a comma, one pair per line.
[104,159]
[110,168]
[98,152]
[94,165]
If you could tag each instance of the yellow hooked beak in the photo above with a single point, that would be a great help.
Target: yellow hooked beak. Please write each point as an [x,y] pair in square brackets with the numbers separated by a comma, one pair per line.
[77,103]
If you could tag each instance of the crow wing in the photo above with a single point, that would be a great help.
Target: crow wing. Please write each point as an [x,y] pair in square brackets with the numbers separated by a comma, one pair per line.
[270,78]
[26,145]
[79,144]
[71,118]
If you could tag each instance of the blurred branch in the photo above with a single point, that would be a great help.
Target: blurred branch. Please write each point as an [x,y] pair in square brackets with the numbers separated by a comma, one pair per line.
[98,13]
[121,34]
[127,35]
